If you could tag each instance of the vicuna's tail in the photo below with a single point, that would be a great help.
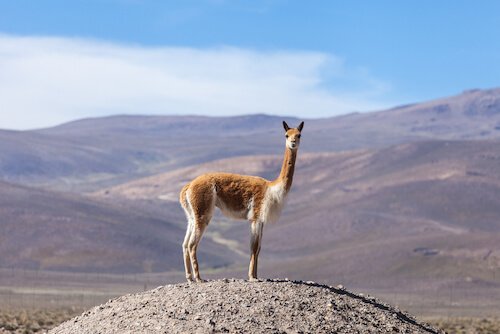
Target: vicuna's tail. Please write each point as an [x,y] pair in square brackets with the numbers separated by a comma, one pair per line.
[183,197]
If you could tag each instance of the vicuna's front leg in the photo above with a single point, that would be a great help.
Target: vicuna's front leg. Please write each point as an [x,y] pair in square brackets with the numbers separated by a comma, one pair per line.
[255,242]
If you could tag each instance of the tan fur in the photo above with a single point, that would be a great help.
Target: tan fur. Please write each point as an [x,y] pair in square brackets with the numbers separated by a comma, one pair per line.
[238,196]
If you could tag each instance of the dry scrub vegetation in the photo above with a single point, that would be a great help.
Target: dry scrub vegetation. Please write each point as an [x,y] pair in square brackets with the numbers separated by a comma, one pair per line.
[468,325]
[33,321]
[39,321]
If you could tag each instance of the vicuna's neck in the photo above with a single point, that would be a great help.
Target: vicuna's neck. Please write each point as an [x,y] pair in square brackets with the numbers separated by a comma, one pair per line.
[287,169]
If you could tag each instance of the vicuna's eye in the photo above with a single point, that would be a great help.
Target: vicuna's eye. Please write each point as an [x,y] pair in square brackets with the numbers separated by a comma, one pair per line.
[286,136]
[298,136]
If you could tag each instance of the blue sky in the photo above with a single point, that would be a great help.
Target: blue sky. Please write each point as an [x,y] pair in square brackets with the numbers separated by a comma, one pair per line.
[62,60]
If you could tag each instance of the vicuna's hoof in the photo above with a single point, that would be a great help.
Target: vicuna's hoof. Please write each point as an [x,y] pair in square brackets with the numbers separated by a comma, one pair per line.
[254,279]
[200,280]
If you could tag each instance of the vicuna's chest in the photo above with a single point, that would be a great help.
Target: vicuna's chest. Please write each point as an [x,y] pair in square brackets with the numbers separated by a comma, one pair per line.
[272,205]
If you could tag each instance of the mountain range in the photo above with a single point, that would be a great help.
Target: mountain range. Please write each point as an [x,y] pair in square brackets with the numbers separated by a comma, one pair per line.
[89,154]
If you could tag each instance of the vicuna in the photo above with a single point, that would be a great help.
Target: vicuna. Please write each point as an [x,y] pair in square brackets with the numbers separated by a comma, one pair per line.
[238,196]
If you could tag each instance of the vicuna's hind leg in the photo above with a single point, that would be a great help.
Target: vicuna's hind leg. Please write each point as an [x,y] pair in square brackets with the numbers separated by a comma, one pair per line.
[185,251]
[188,210]
[255,242]
[201,207]
[194,240]
[194,232]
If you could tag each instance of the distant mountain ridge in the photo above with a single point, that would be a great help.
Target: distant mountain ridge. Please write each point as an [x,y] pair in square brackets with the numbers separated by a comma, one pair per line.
[88,154]
[167,125]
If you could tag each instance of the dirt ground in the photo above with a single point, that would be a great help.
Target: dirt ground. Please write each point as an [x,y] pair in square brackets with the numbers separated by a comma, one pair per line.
[238,306]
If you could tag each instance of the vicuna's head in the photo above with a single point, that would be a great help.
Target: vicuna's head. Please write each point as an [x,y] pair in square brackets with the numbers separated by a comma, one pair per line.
[293,135]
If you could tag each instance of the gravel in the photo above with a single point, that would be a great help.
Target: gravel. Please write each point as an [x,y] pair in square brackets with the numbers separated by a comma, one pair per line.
[238,306]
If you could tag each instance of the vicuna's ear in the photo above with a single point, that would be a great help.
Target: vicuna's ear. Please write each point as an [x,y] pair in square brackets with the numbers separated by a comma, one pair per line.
[285,126]
[301,125]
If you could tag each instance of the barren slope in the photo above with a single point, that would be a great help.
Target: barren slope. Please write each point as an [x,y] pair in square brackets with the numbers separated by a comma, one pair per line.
[474,114]
[56,231]
[92,153]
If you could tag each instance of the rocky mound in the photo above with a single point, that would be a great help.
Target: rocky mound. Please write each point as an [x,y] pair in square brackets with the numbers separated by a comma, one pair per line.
[237,306]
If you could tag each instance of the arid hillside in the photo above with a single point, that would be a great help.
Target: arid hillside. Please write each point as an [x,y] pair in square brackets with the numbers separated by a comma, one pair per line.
[474,114]
[425,210]
[60,231]
[89,154]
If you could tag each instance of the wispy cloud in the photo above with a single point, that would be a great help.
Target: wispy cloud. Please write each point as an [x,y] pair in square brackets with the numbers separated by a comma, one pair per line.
[45,81]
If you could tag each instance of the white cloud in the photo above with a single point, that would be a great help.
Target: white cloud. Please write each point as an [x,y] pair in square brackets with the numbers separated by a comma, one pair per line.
[46,81]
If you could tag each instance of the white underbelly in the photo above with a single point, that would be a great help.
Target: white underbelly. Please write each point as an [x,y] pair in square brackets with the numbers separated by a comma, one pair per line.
[246,213]
[234,214]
